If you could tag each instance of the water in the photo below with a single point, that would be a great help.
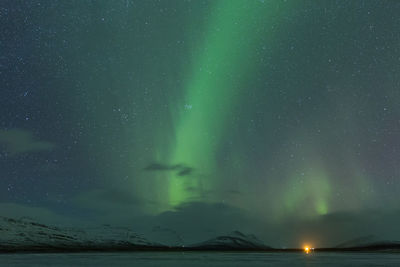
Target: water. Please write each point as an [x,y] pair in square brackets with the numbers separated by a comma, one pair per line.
[201,259]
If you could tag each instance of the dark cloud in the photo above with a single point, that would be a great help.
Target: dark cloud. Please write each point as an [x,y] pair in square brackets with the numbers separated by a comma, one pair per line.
[181,169]
[166,236]
[185,171]
[197,221]
[17,141]
[161,167]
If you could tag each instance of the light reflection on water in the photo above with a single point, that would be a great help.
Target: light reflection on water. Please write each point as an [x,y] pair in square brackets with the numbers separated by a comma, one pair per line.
[201,259]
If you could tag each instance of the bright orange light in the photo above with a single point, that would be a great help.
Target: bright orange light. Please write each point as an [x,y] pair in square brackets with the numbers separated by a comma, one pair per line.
[308,249]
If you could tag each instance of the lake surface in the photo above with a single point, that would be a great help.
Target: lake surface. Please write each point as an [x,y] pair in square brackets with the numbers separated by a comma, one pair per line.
[166,259]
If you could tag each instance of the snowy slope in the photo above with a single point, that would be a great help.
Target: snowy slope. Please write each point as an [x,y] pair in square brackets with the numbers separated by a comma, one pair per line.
[28,235]
[25,234]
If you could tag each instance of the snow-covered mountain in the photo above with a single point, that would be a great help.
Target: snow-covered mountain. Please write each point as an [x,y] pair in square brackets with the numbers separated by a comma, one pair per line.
[233,241]
[25,234]
[28,235]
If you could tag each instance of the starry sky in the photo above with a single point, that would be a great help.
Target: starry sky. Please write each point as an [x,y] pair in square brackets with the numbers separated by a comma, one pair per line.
[278,118]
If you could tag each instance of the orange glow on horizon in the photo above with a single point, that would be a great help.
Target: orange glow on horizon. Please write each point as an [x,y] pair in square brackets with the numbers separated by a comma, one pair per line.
[308,249]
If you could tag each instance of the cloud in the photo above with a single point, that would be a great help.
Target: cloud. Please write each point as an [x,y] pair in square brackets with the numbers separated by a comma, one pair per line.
[198,221]
[161,167]
[17,141]
[181,169]
[185,171]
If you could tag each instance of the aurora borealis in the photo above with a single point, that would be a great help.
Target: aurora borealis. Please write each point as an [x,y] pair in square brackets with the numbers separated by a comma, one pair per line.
[222,62]
[260,115]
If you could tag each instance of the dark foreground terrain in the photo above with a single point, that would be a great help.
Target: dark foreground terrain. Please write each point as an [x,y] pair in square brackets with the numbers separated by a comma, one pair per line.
[26,235]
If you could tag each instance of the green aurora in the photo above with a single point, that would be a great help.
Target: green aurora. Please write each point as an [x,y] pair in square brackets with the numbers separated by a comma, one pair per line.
[221,65]
[282,111]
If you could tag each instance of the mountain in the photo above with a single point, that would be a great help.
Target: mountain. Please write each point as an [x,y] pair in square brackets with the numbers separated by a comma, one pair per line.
[28,235]
[166,236]
[369,242]
[233,241]
[359,241]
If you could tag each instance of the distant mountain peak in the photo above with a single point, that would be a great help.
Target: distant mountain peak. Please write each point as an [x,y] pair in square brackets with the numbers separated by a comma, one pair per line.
[234,240]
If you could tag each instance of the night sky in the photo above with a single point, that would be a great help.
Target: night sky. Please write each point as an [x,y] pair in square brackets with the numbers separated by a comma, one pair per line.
[277,118]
